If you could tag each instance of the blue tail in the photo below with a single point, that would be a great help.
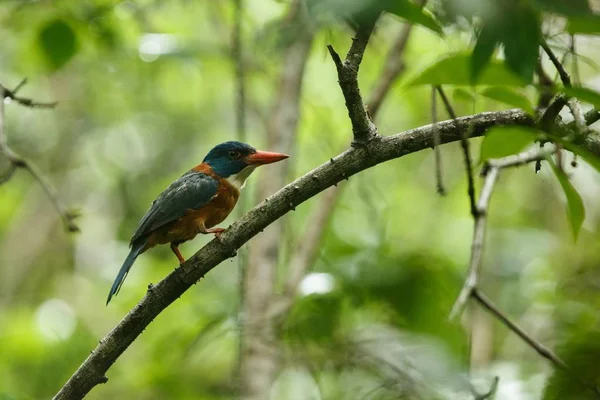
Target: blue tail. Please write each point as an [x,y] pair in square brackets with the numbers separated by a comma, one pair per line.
[136,250]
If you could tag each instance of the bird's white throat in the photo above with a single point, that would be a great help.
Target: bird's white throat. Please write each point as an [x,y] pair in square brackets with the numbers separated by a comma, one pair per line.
[239,180]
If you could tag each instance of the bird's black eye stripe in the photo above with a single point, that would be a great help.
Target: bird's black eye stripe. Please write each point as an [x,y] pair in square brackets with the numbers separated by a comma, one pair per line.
[234,154]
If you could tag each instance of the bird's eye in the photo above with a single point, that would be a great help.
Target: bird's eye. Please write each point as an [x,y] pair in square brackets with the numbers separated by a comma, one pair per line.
[234,154]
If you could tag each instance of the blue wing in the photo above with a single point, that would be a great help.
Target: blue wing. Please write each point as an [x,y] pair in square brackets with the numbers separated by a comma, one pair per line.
[192,191]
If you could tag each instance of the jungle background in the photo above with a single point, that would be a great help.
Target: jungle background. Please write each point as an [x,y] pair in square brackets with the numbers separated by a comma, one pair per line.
[145,88]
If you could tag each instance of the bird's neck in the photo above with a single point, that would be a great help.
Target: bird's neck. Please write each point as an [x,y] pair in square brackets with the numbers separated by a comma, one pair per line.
[239,180]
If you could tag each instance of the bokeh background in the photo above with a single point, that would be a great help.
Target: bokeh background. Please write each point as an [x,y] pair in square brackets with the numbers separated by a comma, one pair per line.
[144,90]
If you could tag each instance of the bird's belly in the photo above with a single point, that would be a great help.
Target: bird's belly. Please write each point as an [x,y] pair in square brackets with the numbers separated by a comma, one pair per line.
[212,213]
[194,221]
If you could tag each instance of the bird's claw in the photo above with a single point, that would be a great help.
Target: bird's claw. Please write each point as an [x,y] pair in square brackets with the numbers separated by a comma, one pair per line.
[218,235]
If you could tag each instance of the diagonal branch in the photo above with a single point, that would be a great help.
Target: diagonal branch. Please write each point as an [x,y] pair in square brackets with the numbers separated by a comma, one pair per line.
[534,344]
[572,103]
[562,72]
[17,161]
[354,160]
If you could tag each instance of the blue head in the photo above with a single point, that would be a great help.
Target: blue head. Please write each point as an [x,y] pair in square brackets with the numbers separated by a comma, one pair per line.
[231,158]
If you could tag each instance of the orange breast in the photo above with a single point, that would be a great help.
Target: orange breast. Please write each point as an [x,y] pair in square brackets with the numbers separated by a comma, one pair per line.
[187,227]
[218,208]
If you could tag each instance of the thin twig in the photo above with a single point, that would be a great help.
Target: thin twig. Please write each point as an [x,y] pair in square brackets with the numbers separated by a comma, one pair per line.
[564,75]
[542,350]
[436,144]
[19,86]
[464,143]
[492,169]
[534,344]
[12,94]
[19,162]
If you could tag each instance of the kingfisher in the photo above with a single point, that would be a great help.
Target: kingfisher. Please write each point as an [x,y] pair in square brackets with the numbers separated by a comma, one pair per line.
[200,199]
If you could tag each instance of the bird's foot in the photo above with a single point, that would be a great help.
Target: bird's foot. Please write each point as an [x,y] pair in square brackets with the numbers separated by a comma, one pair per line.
[217,232]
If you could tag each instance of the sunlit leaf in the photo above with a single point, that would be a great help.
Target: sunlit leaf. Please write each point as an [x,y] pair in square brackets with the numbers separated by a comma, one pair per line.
[487,41]
[584,94]
[502,141]
[58,42]
[575,209]
[454,70]
[508,96]
[589,24]
[416,14]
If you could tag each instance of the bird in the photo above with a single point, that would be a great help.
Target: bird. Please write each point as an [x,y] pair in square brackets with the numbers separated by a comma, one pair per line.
[200,199]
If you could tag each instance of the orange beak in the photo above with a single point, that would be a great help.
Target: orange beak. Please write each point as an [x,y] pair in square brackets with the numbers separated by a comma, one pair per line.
[265,157]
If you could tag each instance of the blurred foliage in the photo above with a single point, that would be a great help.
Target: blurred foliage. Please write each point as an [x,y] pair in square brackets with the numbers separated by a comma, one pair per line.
[145,89]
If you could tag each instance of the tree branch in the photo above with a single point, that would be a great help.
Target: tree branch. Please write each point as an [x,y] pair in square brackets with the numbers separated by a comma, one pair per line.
[464,144]
[564,75]
[354,160]
[18,161]
[363,128]
[492,170]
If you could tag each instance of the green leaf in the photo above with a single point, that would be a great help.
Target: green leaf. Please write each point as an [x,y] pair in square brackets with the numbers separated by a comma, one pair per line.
[521,39]
[487,41]
[584,94]
[510,97]
[502,141]
[575,209]
[58,43]
[454,70]
[416,14]
[588,24]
